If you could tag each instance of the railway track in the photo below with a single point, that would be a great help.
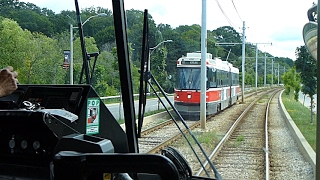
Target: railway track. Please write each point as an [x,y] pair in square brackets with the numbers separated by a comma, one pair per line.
[158,136]
[220,124]
[243,151]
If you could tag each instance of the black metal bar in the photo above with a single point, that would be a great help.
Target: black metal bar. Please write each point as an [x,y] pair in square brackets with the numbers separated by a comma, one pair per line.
[85,66]
[125,74]
[95,55]
[218,176]
[143,69]
[176,123]
[317,173]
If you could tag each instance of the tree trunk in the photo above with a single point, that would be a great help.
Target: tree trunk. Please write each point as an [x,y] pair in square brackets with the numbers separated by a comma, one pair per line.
[311,109]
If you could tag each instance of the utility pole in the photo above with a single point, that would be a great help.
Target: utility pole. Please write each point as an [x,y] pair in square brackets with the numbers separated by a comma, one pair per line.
[272,73]
[203,65]
[265,68]
[257,64]
[243,59]
[278,74]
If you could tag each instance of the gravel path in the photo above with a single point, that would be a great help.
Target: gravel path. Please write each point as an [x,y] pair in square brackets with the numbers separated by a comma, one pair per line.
[286,160]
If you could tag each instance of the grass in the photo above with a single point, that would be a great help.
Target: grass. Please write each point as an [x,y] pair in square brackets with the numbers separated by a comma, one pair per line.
[206,139]
[301,116]
[240,138]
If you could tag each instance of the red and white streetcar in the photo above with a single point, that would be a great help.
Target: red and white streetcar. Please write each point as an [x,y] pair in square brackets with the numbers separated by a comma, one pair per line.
[222,86]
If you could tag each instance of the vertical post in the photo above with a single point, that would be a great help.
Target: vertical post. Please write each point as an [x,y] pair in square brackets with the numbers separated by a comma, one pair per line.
[203,65]
[256,68]
[317,173]
[272,73]
[243,59]
[265,69]
[148,71]
[71,54]
[125,74]
[278,75]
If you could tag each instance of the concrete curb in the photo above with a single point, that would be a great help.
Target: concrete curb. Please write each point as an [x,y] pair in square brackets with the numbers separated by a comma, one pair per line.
[304,147]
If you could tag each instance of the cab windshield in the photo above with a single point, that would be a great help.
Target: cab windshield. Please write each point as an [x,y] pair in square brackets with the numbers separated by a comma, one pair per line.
[188,78]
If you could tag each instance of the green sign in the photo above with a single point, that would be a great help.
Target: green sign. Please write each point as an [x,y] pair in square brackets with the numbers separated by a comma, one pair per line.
[93,116]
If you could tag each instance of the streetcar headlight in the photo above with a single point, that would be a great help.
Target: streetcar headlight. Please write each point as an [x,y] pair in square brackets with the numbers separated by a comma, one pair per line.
[189,96]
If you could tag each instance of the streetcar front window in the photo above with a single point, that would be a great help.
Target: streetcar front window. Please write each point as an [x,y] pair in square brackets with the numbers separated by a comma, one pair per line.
[188,78]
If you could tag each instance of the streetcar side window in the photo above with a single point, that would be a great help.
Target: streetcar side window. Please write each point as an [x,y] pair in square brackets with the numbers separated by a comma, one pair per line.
[235,79]
[222,78]
[211,78]
[219,78]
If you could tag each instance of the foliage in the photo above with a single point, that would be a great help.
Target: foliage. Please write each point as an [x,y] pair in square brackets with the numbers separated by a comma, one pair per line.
[34,38]
[298,112]
[291,79]
[307,68]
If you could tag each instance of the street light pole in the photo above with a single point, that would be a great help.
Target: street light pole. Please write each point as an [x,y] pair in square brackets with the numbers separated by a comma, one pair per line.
[71,54]
[153,49]
[71,42]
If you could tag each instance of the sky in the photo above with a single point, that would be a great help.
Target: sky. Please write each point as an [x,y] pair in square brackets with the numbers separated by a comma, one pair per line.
[275,26]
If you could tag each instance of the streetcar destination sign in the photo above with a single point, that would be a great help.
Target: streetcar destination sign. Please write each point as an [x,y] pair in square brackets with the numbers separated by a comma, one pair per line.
[310,38]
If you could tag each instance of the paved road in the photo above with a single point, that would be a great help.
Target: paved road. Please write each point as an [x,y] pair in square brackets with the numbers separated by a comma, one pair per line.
[152,105]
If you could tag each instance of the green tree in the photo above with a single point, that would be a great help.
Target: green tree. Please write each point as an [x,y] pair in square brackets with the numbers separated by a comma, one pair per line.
[227,34]
[44,63]
[306,66]
[32,21]
[14,43]
[291,79]
[78,60]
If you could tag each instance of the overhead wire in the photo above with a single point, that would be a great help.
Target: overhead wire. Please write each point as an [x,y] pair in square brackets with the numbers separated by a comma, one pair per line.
[248,29]
[212,40]
[225,15]
[236,10]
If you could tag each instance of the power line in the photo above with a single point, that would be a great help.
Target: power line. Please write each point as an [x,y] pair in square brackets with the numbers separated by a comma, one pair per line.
[225,15]
[236,10]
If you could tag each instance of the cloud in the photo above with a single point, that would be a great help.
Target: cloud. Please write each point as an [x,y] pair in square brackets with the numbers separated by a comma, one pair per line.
[288,34]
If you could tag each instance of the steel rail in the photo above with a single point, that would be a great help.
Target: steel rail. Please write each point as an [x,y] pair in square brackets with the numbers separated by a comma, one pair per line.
[231,129]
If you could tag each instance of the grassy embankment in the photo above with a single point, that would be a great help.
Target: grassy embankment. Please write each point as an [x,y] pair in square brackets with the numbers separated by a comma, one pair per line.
[301,116]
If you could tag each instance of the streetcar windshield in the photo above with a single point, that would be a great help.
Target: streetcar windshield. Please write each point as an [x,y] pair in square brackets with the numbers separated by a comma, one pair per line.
[188,78]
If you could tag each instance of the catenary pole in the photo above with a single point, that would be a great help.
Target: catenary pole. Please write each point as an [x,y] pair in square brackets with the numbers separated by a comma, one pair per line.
[203,65]
[257,64]
[265,69]
[272,73]
[278,74]
[243,59]
[256,68]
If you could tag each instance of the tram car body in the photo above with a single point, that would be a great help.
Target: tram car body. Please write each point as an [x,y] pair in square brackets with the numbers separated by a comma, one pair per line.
[222,85]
